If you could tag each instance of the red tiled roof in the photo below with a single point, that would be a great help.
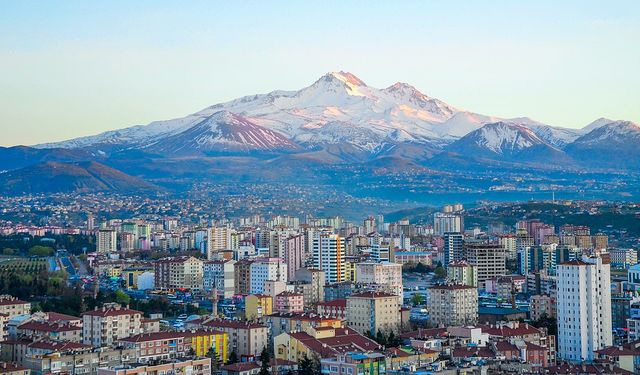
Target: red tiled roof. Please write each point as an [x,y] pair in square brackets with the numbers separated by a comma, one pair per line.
[373,295]
[7,367]
[54,316]
[241,366]
[506,346]
[473,352]
[335,303]
[238,324]
[49,327]
[506,331]
[112,312]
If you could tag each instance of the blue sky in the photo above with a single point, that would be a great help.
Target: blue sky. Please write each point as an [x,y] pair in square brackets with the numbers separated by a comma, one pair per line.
[78,68]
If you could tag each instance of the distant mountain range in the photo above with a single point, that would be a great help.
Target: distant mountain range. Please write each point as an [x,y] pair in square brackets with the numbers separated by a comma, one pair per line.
[341,120]
[56,177]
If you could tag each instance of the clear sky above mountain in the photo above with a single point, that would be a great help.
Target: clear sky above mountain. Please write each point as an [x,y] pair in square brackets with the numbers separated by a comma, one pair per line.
[78,68]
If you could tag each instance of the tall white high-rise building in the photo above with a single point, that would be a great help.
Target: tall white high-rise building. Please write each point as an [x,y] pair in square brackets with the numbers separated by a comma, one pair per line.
[447,222]
[266,269]
[584,308]
[106,241]
[329,256]
[218,238]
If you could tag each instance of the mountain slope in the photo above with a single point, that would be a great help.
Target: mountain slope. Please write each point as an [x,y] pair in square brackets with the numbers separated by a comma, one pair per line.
[222,132]
[340,119]
[23,156]
[613,145]
[55,177]
[504,141]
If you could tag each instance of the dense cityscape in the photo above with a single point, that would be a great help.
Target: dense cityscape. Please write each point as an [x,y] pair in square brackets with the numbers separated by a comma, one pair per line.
[446,293]
[319,188]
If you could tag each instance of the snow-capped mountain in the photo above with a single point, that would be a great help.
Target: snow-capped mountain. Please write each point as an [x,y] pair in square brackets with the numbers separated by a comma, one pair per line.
[501,138]
[221,132]
[612,144]
[348,120]
[338,108]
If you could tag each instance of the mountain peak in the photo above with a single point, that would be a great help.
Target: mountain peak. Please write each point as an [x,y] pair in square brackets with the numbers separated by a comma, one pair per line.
[345,77]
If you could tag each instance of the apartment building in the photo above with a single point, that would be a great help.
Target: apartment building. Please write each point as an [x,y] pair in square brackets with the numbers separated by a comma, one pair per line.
[198,366]
[370,312]
[12,306]
[179,272]
[218,275]
[107,325]
[488,258]
[452,305]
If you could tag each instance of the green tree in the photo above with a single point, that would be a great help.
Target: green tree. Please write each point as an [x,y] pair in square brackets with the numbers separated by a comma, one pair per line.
[417,299]
[309,366]
[121,297]
[233,357]
[8,251]
[264,359]
[215,360]
[40,251]
[440,272]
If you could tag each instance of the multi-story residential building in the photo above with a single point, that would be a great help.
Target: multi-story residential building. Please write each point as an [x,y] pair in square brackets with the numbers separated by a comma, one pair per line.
[50,330]
[354,363]
[13,369]
[509,243]
[463,273]
[329,256]
[60,357]
[140,278]
[370,312]
[334,309]
[488,258]
[179,272]
[107,241]
[447,223]
[218,275]
[623,258]
[218,238]
[323,343]
[12,306]
[316,278]
[584,308]
[242,276]
[266,269]
[633,323]
[288,302]
[542,305]
[177,344]
[600,241]
[452,305]
[107,325]
[453,248]
[404,257]
[257,305]
[384,274]
[279,323]
[197,366]
[245,338]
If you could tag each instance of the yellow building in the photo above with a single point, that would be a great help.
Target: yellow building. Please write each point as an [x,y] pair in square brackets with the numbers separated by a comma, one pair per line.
[350,270]
[257,306]
[321,341]
[201,341]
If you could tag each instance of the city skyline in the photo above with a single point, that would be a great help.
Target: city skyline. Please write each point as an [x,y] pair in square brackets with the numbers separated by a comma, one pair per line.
[89,69]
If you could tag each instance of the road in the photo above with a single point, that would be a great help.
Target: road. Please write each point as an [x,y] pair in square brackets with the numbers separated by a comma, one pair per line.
[68,265]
